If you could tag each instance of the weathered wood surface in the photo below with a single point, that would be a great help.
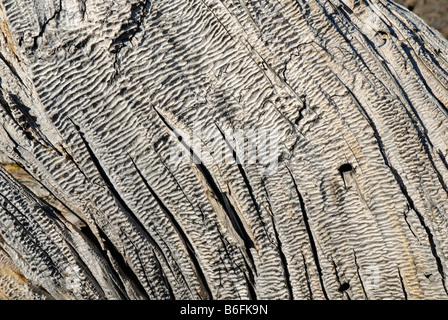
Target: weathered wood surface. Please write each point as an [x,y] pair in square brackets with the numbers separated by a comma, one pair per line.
[98,97]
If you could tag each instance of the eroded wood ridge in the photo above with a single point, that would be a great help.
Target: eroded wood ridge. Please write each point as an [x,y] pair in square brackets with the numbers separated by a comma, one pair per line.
[208,149]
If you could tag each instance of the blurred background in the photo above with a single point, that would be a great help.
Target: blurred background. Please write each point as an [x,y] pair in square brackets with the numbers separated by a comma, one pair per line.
[434,12]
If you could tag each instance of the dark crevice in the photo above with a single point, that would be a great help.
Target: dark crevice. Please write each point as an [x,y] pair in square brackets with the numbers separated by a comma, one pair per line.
[283,259]
[402,285]
[237,224]
[16,145]
[442,158]
[441,106]
[250,287]
[249,281]
[245,178]
[69,157]
[129,29]
[301,110]
[191,252]
[26,229]
[158,267]
[56,14]
[120,201]
[423,135]
[53,196]
[310,234]
[118,261]
[430,237]
[93,281]
[407,222]
[284,262]
[171,217]
[359,276]
[198,207]
[82,8]
[161,273]
[21,117]
[307,276]
[11,67]
[7,108]
[39,288]
[402,188]
[343,286]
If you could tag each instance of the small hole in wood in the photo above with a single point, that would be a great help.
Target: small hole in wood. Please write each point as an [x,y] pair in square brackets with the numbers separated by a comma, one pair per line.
[383,34]
[346,167]
[343,287]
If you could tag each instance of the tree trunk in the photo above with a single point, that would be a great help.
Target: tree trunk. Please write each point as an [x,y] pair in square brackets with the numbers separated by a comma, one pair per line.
[214,149]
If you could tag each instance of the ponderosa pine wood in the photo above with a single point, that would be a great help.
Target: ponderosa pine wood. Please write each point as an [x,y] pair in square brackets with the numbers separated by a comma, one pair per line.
[111,108]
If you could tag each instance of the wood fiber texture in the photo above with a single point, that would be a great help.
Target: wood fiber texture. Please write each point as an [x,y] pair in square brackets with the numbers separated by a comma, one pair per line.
[98,97]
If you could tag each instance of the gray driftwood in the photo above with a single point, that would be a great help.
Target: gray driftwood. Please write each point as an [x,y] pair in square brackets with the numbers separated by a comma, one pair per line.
[99,97]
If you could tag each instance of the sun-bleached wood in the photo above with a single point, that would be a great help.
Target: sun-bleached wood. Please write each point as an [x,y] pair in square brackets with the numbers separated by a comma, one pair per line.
[95,96]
